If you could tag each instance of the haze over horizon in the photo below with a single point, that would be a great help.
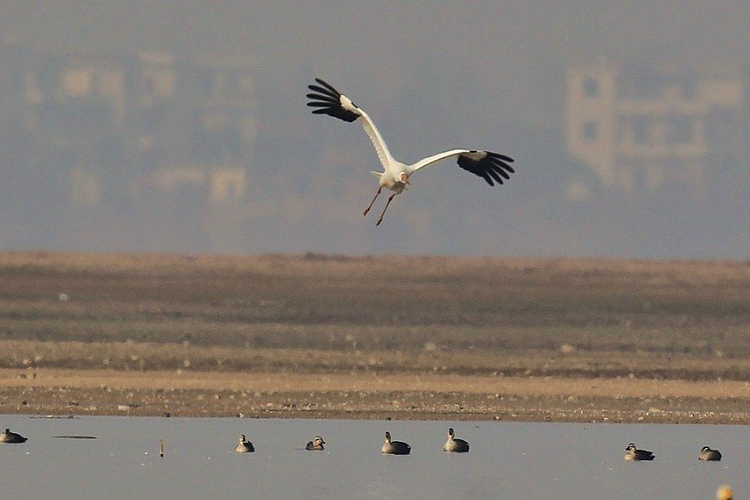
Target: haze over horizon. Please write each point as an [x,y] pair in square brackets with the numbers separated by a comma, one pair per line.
[482,74]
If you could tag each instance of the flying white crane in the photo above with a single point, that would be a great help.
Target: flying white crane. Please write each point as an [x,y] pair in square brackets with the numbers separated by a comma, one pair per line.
[492,167]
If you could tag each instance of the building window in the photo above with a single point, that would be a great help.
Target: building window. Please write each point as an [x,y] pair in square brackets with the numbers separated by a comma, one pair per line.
[640,131]
[590,131]
[590,87]
[681,130]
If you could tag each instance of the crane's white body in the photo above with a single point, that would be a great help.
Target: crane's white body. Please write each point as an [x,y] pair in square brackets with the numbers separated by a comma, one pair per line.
[392,168]
[493,167]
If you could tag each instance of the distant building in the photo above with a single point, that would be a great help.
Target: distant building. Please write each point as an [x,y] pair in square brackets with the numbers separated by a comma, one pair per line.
[102,127]
[212,102]
[640,128]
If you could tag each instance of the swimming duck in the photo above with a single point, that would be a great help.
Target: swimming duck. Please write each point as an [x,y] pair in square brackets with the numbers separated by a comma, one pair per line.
[707,454]
[244,446]
[634,454]
[394,447]
[11,437]
[316,444]
[455,445]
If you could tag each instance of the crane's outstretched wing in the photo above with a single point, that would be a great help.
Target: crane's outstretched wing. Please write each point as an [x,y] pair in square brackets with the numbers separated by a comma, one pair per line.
[492,167]
[330,101]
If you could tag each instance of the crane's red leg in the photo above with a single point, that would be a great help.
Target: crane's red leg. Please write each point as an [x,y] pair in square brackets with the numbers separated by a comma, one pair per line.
[390,198]
[373,200]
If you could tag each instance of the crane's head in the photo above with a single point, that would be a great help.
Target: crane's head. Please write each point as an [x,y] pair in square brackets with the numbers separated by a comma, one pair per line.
[404,178]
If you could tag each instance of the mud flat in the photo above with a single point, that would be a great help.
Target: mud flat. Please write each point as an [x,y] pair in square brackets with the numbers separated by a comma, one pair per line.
[438,397]
[318,336]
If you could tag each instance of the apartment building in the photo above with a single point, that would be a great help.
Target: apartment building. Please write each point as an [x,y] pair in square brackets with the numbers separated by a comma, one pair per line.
[102,127]
[640,128]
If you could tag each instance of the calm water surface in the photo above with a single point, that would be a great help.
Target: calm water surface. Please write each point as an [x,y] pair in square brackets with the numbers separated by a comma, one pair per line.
[507,460]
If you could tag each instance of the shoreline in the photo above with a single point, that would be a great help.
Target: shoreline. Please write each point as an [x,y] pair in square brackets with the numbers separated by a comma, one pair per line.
[65,392]
[315,336]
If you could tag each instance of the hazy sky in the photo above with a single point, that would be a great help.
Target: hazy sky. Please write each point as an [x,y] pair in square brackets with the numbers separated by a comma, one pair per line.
[487,74]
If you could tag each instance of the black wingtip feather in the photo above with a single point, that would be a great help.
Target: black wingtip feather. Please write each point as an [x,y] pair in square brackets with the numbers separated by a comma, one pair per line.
[500,157]
[494,174]
[492,167]
[328,86]
[324,92]
[327,100]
